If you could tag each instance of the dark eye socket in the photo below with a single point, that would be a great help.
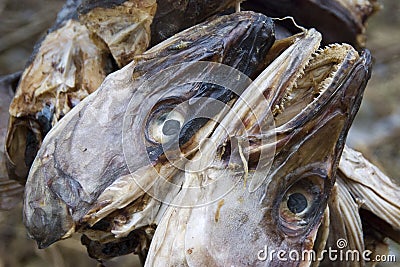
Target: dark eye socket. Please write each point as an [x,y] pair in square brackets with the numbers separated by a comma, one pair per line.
[300,204]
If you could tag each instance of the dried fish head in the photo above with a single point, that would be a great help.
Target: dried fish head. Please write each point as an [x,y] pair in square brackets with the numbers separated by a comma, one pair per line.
[73,167]
[66,66]
[86,43]
[314,95]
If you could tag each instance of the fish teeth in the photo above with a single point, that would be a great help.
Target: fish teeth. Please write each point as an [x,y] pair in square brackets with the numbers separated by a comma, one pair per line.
[319,57]
[278,109]
[293,85]
[325,83]
[289,97]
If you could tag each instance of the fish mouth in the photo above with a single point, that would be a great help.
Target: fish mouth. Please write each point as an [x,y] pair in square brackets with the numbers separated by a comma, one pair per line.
[313,110]
[320,79]
[312,96]
[69,187]
[23,141]
[303,85]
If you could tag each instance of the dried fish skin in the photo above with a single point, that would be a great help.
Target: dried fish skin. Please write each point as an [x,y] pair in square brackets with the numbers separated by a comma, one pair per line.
[67,75]
[130,27]
[58,194]
[67,65]
[123,25]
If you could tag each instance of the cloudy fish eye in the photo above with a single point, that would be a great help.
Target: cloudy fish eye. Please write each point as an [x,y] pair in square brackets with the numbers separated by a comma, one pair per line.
[164,126]
[171,127]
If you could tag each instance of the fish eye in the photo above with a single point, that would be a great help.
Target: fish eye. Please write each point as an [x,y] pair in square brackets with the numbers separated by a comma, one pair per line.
[297,203]
[165,126]
[171,127]
[300,203]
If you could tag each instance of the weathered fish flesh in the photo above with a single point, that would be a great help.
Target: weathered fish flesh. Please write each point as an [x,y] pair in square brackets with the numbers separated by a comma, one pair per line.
[317,98]
[129,27]
[91,35]
[66,66]
[61,189]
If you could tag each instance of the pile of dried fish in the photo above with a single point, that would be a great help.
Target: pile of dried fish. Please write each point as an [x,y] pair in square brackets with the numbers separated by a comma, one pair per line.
[178,156]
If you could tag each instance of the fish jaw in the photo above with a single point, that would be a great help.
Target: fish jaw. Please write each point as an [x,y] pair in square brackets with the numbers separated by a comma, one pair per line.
[233,227]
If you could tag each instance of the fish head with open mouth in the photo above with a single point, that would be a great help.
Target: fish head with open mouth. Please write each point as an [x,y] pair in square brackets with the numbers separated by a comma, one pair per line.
[261,197]
[256,174]
[74,168]
[89,40]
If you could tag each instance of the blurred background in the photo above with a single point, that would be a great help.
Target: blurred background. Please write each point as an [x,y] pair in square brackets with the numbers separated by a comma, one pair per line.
[375,132]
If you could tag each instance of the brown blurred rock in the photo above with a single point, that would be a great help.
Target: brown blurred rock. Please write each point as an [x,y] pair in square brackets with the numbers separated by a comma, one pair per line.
[376,129]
